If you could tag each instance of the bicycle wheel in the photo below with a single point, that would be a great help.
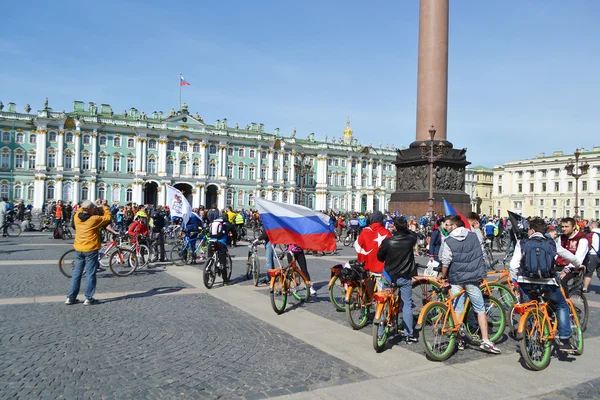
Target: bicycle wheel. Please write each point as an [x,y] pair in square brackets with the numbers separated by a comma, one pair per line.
[209,273]
[228,267]
[143,256]
[513,321]
[506,297]
[67,232]
[123,262]
[104,255]
[337,294]
[348,240]
[381,330]
[249,267]
[581,307]
[535,348]
[278,294]
[424,291]
[576,333]
[496,320]
[255,270]
[357,311]
[13,230]
[298,286]
[437,338]
[66,263]
[179,255]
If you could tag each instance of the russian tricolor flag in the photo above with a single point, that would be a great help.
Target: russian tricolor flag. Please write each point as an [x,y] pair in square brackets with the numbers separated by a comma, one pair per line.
[449,210]
[182,81]
[294,224]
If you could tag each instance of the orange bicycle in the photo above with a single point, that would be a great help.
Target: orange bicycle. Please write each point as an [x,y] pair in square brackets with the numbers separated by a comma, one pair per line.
[286,280]
[538,327]
[440,325]
[337,288]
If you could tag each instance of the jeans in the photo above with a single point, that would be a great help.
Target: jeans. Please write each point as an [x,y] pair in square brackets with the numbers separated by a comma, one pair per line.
[405,286]
[90,261]
[554,295]
[509,244]
[474,293]
[269,255]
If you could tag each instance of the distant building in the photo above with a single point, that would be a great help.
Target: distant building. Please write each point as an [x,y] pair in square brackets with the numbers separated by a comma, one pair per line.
[129,157]
[541,186]
[478,185]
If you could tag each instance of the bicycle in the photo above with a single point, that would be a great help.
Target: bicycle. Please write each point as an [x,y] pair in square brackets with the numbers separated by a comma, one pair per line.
[141,251]
[350,238]
[213,267]
[108,248]
[574,291]
[440,325]
[63,230]
[12,229]
[360,287]
[286,280]
[67,262]
[253,264]
[537,329]
[337,288]
[182,253]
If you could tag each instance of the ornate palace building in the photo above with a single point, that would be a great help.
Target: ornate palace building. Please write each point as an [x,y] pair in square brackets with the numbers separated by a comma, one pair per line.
[129,157]
[543,187]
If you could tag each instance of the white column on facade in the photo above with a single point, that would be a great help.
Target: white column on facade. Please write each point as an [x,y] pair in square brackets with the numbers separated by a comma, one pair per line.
[291,195]
[39,191]
[176,161]
[162,156]
[94,153]
[220,161]
[370,173]
[202,191]
[76,190]
[357,201]
[258,167]
[61,149]
[77,155]
[139,156]
[222,194]
[370,200]
[359,174]
[196,197]
[41,151]
[203,160]
[270,167]
[349,175]
[144,155]
[92,193]
[380,176]
[58,188]
[292,174]
[382,206]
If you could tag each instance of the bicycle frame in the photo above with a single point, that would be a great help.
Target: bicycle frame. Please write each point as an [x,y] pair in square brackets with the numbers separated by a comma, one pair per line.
[367,285]
[449,303]
[388,296]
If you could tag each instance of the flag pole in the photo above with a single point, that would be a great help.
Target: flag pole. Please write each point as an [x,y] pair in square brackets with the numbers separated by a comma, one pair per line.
[180,75]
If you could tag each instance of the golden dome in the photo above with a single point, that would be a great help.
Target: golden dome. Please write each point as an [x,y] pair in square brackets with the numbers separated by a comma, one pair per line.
[348,132]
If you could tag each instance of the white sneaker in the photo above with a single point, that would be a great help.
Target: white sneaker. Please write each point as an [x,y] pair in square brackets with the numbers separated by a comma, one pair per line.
[313,292]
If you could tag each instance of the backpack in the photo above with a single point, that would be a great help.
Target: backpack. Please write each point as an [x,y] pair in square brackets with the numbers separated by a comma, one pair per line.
[119,217]
[216,229]
[537,257]
[57,233]
[129,215]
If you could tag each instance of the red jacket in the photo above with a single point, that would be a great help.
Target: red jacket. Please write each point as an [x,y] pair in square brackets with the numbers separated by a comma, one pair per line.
[367,245]
[137,228]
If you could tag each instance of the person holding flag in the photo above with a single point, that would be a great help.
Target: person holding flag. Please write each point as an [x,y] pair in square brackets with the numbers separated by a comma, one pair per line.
[368,243]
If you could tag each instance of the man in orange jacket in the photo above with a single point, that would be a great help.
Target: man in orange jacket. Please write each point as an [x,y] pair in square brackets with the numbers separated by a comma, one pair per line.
[88,221]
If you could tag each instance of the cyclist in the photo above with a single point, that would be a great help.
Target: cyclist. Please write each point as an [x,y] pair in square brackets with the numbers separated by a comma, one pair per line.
[269,253]
[138,227]
[576,243]
[353,227]
[549,286]
[362,222]
[3,212]
[191,230]
[594,256]
[464,266]
[489,232]
[239,225]
[218,232]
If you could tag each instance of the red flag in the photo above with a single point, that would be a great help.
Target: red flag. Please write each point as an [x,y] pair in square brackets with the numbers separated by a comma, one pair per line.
[367,245]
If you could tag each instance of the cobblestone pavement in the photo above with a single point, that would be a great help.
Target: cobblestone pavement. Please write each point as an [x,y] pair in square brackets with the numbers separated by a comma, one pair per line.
[586,390]
[152,347]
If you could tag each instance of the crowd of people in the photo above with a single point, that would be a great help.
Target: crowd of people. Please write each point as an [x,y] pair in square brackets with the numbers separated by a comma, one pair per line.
[385,243]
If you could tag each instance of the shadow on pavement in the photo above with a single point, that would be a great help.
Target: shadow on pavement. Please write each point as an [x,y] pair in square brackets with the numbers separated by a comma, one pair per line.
[149,293]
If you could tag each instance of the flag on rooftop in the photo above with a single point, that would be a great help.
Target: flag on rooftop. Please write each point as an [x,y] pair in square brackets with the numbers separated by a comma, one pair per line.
[183,82]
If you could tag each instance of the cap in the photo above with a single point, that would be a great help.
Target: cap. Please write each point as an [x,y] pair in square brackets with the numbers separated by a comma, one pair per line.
[86,204]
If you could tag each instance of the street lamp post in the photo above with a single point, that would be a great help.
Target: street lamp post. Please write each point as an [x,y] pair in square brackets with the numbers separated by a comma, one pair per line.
[431,153]
[304,167]
[576,171]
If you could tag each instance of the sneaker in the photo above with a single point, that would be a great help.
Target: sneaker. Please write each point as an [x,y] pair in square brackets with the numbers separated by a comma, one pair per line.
[461,345]
[71,301]
[566,344]
[227,283]
[410,339]
[585,290]
[490,348]
[313,292]
[90,301]
[100,269]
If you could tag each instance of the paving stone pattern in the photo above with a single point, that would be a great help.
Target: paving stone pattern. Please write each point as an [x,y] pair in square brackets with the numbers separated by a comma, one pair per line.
[585,390]
[148,347]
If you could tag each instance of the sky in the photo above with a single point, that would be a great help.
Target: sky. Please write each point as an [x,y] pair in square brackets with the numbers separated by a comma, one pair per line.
[523,74]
